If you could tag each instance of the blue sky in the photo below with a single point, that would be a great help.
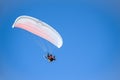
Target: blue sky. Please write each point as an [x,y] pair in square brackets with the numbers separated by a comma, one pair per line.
[91,35]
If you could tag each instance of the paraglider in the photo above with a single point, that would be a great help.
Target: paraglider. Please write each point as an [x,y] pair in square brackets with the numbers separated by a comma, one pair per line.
[39,28]
[50,57]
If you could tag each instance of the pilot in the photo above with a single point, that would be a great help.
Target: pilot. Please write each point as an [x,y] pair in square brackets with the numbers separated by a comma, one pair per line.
[50,57]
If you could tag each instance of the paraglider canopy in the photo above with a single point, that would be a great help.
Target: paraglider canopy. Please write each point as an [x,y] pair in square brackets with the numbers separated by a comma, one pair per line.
[39,28]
